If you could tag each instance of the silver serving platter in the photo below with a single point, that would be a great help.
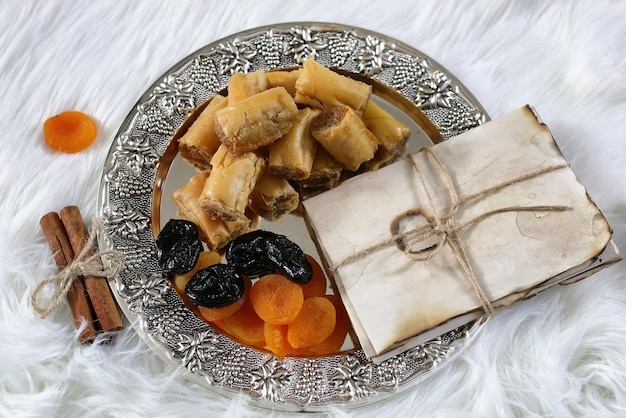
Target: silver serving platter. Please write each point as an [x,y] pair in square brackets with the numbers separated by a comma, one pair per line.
[140,173]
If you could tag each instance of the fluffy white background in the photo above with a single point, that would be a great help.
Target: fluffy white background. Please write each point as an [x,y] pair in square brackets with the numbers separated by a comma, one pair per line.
[562,353]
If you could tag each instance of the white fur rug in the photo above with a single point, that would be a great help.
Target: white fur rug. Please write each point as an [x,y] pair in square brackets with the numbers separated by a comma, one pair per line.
[562,353]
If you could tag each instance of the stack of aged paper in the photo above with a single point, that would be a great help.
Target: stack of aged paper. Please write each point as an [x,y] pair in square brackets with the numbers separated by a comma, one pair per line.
[457,230]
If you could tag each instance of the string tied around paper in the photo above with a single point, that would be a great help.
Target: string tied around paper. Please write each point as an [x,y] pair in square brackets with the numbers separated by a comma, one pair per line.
[84,264]
[423,242]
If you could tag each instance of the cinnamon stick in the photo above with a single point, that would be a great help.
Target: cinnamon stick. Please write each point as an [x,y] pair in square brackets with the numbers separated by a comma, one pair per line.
[97,287]
[81,308]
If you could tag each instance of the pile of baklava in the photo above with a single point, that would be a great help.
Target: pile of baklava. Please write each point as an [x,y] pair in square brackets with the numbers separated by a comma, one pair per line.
[275,138]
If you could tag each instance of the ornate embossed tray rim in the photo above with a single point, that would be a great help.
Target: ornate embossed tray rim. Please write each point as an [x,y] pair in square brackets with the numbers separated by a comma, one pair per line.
[130,179]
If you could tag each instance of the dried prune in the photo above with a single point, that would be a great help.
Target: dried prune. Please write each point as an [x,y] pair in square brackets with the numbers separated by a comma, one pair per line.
[261,252]
[247,253]
[289,259]
[178,247]
[216,286]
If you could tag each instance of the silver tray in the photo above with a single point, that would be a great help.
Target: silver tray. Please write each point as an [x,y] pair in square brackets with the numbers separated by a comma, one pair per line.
[142,170]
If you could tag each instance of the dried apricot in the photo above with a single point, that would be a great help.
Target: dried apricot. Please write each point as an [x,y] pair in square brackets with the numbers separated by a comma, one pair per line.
[70,131]
[246,326]
[220,324]
[217,314]
[314,324]
[276,339]
[317,285]
[276,299]
[334,341]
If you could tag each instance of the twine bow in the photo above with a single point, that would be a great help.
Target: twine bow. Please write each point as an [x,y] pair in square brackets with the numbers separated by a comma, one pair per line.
[444,228]
[83,264]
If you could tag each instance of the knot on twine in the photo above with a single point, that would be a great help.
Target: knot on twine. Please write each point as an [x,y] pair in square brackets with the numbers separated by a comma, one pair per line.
[84,264]
[416,242]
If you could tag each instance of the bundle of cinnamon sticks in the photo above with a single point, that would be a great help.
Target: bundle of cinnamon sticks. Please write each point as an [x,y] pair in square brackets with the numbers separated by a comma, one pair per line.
[89,297]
